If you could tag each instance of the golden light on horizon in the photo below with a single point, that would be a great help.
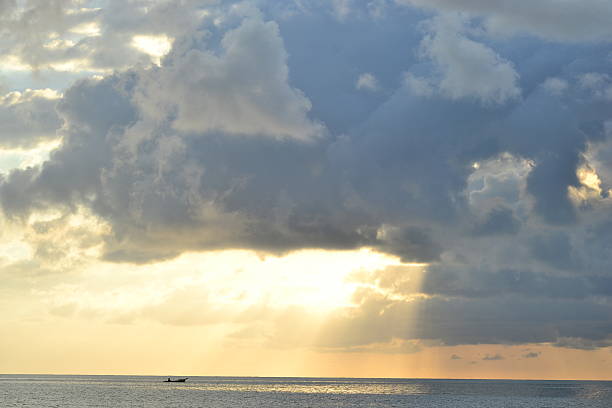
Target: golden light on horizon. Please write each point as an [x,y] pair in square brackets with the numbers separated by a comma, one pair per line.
[226,300]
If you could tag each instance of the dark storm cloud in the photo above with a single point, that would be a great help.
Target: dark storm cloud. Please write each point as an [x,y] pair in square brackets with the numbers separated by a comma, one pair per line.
[454,321]
[581,343]
[498,221]
[253,133]
[555,250]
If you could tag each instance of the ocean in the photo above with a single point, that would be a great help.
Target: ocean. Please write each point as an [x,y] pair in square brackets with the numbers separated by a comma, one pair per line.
[219,392]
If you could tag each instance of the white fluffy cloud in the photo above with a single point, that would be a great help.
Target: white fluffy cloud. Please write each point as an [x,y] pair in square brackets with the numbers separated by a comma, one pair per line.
[469,69]
[367,81]
[229,92]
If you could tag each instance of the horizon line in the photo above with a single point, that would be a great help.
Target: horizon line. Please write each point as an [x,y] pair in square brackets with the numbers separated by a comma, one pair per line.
[314,377]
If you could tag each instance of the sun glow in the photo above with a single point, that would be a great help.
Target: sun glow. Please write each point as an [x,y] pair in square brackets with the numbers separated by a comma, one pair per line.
[227,280]
[12,63]
[590,189]
[90,29]
[319,279]
[154,45]
[23,158]
[589,178]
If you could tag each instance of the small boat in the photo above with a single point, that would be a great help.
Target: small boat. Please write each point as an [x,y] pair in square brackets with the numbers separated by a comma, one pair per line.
[176,380]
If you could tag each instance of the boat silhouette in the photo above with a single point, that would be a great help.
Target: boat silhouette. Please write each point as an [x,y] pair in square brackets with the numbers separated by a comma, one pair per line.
[176,380]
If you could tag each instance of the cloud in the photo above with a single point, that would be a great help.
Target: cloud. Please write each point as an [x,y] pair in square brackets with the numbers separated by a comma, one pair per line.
[599,84]
[367,81]
[73,35]
[493,357]
[394,346]
[227,93]
[28,118]
[582,343]
[567,21]
[487,156]
[390,311]
[411,243]
[103,153]
[498,221]
[555,86]
[532,354]
[342,8]
[469,69]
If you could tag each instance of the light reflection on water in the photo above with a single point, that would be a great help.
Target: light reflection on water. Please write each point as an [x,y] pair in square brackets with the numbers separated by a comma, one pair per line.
[218,392]
[313,388]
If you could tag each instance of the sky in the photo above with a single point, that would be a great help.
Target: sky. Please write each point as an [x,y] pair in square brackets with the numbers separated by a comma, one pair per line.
[363,188]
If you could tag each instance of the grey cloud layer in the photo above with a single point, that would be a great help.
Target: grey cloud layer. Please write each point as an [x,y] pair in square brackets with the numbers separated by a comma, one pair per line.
[252,133]
[28,118]
[552,19]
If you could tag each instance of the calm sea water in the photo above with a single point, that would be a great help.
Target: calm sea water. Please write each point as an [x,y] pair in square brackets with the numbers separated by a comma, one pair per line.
[216,392]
